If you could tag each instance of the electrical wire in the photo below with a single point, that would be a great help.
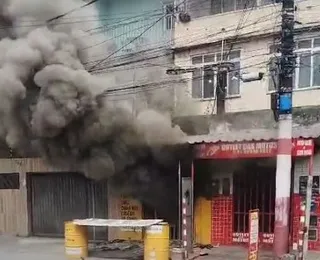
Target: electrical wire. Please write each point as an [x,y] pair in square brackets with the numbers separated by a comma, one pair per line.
[125,45]
[71,11]
[231,46]
[125,63]
[163,84]
[134,39]
[242,68]
[163,47]
[169,64]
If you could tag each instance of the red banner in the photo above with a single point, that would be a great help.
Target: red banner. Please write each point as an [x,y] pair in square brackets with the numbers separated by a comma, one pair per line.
[300,147]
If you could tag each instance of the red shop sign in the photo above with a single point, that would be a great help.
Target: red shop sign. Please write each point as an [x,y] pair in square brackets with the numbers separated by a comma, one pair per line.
[300,147]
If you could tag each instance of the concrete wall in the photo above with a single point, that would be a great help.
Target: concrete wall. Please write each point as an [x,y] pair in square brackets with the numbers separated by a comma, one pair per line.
[12,214]
[14,205]
[253,95]
[254,56]
[264,19]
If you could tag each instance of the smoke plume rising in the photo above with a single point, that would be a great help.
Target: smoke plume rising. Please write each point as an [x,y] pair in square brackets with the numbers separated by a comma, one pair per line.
[49,101]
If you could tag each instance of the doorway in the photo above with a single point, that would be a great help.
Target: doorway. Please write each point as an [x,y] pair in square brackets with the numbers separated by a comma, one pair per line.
[254,188]
[59,197]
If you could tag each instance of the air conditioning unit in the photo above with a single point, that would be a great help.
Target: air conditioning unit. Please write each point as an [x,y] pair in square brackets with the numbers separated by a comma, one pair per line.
[184,17]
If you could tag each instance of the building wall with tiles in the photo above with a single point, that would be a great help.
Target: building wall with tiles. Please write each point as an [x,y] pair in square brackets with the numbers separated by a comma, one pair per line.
[301,170]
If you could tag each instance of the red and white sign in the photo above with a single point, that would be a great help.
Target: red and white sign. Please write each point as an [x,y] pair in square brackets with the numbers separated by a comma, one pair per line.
[240,237]
[300,147]
[253,234]
[265,238]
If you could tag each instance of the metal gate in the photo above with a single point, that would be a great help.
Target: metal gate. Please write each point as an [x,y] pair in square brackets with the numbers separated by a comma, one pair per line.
[59,197]
[254,189]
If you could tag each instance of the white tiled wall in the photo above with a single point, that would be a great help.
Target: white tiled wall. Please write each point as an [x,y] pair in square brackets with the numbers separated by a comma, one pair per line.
[301,168]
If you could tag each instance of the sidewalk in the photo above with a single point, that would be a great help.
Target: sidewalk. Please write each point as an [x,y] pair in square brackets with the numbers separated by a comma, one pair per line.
[13,248]
[241,253]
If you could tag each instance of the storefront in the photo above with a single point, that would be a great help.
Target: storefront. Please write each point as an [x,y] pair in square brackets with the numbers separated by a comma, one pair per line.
[233,178]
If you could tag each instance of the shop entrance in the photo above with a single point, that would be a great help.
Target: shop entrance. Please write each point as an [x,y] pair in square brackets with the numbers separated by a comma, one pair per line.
[254,188]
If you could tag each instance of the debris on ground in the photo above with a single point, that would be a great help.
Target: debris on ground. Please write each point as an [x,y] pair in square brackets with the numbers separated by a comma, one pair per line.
[133,249]
[119,249]
[118,244]
[202,246]
[175,243]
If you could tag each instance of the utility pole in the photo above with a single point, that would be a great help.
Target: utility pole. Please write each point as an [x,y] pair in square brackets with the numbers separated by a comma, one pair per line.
[284,110]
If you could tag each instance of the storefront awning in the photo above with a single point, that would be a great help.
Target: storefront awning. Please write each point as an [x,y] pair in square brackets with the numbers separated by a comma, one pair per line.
[116,222]
[311,131]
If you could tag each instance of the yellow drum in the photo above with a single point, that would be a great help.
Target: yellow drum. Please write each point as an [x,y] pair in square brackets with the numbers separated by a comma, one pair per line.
[76,241]
[156,242]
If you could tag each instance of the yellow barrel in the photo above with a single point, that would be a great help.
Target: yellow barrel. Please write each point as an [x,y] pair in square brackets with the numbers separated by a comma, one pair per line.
[76,241]
[156,242]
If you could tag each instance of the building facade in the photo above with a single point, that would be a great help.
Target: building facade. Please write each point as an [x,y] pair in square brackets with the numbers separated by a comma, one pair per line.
[132,47]
[244,130]
[138,46]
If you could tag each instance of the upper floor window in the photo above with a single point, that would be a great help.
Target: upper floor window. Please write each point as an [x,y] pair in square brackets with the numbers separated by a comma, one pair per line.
[223,6]
[169,18]
[204,81]
[307,71]
[268,2]
[213,7]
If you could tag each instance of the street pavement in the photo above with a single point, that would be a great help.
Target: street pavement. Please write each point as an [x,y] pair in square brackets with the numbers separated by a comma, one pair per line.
[13,248]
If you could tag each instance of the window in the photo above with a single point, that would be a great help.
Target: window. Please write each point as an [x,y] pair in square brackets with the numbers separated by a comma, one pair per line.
[308,63]
[307,72]
[9,181]
[223,6]
[204,80]
[268,2]
[313,234]
[169,19]
[226,187]
[313,221]
[215,187]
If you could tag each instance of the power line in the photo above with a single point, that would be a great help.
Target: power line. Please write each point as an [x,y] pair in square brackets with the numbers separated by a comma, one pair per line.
[221,90]
[111,26]
[71,11]
[125,63]
[124,88]
[169,65]
[163,47]
[115,37]
[125,45]
[161,84]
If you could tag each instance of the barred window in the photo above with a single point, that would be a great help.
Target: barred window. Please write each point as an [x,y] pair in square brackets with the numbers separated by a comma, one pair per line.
[9,181]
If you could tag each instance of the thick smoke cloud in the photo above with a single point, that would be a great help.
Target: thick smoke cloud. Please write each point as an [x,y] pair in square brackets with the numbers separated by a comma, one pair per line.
[49,102]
